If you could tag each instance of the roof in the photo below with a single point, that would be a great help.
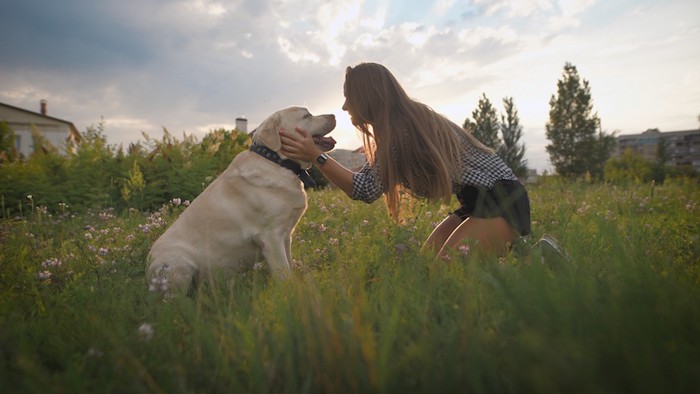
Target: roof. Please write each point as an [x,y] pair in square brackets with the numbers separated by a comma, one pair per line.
[72,127]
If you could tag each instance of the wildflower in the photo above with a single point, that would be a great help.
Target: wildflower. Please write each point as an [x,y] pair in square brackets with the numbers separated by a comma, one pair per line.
[400,248]
[29,197]
[186,203]
[105,216]
[44,275]
[258,266]
[103,251]
[333,241]
[146,331]
[176,202]
[88,236]
[322,228]
[463,250]
[52,263]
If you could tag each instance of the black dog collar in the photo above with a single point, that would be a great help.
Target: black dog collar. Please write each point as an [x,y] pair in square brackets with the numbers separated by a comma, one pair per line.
[271,155]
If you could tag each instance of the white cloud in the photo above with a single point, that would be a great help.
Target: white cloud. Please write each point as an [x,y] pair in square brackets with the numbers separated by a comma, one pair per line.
[210,8]
[574,7]
[195,65]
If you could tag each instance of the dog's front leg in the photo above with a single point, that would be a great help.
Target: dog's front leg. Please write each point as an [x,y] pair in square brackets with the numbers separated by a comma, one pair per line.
[274,249]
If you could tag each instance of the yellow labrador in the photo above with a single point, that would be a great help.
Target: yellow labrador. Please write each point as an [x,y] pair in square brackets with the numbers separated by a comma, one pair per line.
[246,214]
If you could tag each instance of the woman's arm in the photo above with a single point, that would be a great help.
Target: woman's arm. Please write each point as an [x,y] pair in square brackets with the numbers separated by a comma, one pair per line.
[300,145]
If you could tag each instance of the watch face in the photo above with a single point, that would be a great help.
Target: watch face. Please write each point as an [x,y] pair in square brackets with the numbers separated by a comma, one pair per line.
[322,158]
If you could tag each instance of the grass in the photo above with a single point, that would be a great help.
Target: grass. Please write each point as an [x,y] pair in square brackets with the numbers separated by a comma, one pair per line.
[366,311]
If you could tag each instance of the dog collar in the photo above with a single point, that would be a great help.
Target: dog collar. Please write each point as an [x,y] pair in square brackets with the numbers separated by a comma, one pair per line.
[293,166]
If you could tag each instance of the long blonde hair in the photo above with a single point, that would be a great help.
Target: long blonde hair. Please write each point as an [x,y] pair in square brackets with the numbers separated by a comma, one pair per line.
[417,147]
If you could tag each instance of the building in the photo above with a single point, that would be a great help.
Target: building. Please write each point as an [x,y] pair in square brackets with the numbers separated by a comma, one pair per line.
[682,147]
[242,124]
[57,131]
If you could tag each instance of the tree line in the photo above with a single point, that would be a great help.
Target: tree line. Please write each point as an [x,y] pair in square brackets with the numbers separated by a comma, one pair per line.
[577,145]
[146,175]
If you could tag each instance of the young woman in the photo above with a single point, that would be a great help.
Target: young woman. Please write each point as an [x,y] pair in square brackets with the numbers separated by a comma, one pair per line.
[410,147]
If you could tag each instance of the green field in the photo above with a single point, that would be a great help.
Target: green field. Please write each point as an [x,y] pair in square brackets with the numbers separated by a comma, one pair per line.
[365,311]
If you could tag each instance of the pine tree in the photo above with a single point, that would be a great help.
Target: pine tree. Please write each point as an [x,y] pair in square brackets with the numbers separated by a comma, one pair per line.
[485,125]
[578,145]
[511,151]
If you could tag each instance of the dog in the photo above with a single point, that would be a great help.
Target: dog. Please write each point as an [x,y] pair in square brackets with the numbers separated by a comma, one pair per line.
[247,214]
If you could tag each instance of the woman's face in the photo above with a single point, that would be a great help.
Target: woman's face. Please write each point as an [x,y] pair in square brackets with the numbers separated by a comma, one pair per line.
[347,108]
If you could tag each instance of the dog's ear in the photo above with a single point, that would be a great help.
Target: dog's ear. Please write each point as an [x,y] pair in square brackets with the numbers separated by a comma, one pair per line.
[268,133]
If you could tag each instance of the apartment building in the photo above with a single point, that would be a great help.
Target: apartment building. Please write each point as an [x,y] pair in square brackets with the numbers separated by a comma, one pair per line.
[682,147]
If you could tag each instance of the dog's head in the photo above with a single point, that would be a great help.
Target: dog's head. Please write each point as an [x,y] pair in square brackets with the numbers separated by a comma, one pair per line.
[290,118]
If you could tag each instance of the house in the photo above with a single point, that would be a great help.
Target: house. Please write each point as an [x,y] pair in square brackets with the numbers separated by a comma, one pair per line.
[682,147]
[56,131]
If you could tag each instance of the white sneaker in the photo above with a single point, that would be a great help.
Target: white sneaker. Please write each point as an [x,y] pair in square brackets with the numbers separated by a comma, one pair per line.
[550,251]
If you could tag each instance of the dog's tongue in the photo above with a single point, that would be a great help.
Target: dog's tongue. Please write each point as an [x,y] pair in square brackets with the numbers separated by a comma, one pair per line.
[325,143]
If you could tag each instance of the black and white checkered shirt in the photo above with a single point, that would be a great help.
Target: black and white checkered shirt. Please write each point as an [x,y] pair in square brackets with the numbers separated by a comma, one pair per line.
[481,169]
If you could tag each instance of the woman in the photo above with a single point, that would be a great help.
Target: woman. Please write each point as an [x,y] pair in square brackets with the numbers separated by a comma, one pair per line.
[410,147]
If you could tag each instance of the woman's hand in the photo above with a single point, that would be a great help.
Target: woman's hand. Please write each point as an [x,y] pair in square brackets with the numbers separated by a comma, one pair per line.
[299,145]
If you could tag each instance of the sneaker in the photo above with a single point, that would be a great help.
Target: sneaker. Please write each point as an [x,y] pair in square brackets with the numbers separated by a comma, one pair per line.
[550,251]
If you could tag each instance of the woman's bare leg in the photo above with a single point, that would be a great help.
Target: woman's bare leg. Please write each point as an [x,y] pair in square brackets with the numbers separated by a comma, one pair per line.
[441,233]
[493,235]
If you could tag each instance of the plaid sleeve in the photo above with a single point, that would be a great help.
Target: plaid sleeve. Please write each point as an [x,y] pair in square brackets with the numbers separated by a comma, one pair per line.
[365,185]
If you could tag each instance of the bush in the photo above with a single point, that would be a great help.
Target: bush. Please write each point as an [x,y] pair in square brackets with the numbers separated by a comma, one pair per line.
[96,175]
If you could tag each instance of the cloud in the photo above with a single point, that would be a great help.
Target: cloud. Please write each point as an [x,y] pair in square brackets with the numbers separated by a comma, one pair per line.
[190,65]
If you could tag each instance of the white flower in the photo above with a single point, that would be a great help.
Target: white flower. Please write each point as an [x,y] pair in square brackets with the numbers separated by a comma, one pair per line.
[146,331]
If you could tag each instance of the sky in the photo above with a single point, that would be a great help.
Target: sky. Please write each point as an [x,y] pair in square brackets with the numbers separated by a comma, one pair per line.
[191,66]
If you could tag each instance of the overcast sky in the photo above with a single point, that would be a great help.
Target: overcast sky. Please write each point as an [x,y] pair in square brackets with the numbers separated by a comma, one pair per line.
[196,65]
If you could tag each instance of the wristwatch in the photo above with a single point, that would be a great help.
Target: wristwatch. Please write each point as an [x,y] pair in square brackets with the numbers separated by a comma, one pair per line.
[322,159]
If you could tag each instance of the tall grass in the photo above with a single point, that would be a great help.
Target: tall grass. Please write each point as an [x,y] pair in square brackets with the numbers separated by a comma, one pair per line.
[366,311]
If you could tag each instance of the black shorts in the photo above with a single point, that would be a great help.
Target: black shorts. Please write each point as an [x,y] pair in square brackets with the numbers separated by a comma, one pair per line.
[506,199]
